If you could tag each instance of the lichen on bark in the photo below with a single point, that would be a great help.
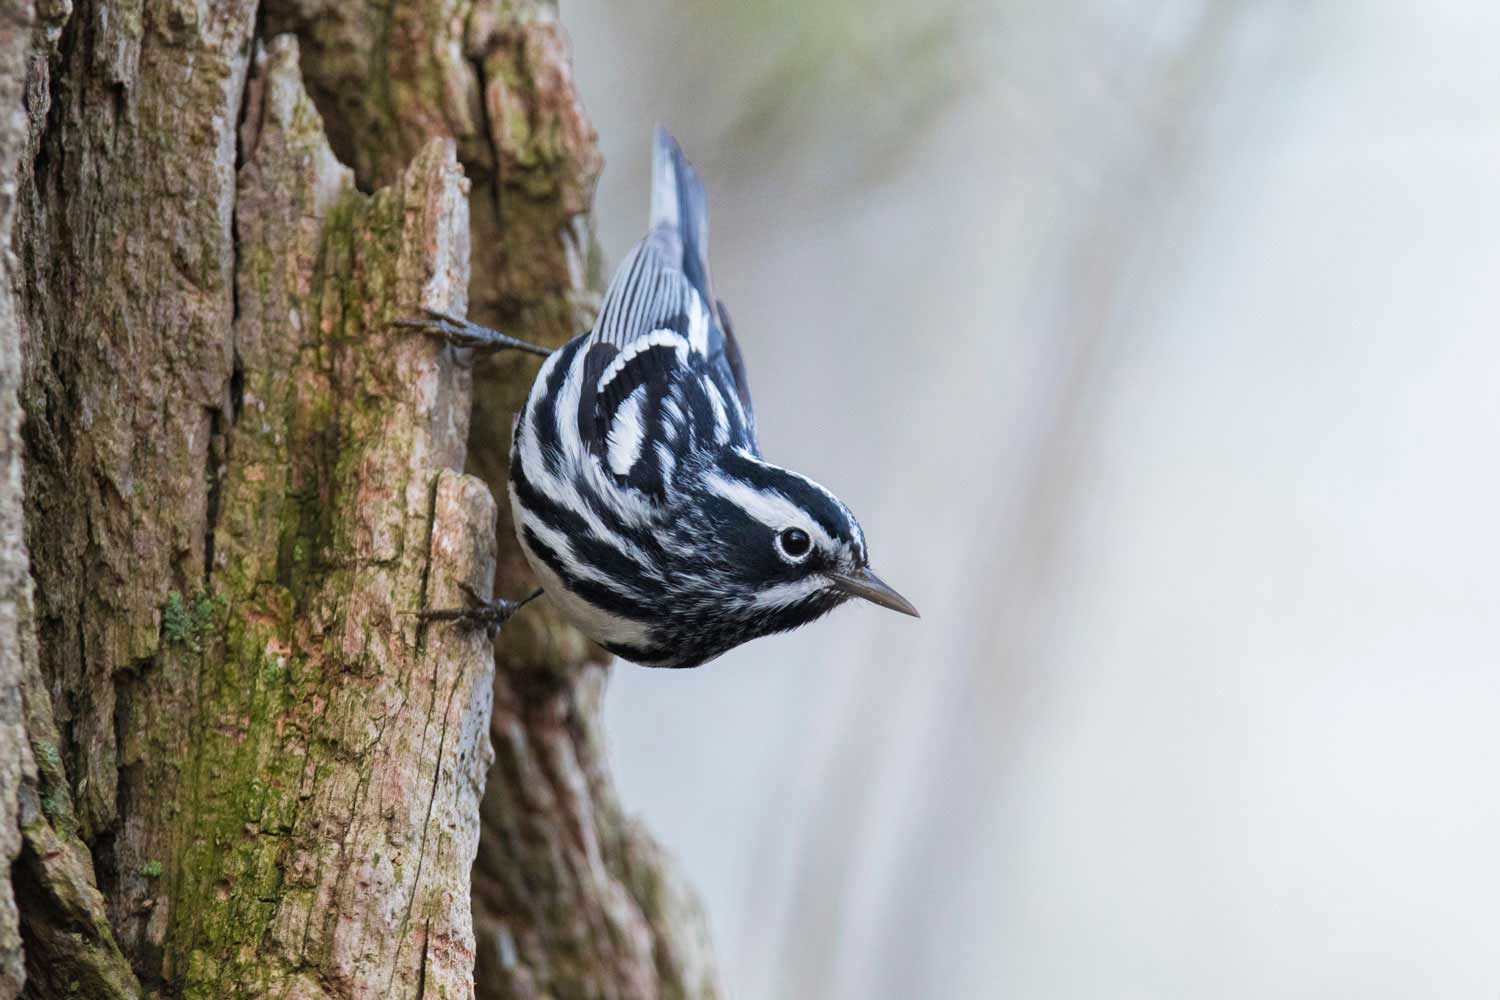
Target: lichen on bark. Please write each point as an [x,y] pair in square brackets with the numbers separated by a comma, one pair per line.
[247,768]
[571,897]
[306,772]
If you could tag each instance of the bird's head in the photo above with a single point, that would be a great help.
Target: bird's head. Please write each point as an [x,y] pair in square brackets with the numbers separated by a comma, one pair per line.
[786,550]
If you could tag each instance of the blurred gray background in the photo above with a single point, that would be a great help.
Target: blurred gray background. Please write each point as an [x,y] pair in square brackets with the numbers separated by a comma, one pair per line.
[1157,347]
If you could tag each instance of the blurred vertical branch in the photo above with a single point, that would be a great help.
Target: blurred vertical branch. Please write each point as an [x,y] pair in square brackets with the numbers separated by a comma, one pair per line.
[1117,130]
[797,71]
[1073,119]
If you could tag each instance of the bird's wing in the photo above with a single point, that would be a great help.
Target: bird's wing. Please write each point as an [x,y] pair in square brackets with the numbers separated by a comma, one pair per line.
[678,203]
[732,363]
[660,335]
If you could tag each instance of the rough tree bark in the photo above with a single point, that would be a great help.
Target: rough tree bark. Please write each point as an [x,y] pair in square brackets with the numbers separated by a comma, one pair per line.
[239,767]
[15,575]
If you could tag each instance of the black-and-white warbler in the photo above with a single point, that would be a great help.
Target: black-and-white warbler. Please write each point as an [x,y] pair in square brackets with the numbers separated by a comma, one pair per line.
[639,493]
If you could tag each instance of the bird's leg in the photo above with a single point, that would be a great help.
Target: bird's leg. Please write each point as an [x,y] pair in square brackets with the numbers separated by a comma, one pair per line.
[462,333]
[488,615]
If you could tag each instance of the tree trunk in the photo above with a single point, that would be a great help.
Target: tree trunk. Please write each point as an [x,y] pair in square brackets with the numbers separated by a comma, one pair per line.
[241,766]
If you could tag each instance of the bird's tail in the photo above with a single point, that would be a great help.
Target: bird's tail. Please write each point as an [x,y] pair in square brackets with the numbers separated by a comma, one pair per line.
[679,206]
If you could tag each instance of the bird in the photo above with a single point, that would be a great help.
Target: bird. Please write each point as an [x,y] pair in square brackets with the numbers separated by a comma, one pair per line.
[639,493]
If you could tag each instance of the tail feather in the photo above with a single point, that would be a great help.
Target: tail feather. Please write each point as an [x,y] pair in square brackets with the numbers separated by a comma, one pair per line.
[679,205]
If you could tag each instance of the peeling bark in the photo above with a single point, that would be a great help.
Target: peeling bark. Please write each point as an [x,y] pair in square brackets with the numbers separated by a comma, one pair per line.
[243,767]
[61,930]
[308,757]
[15,564]
[126,241]
[571,898]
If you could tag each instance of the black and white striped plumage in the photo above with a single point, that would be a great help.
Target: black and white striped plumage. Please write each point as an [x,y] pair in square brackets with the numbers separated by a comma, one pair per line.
[638,489]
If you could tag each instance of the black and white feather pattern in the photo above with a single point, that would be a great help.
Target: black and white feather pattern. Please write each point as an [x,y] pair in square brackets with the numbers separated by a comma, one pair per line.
[637,447]
[660,321]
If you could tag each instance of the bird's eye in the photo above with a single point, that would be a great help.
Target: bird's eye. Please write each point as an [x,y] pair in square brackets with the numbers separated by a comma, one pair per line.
[794,543]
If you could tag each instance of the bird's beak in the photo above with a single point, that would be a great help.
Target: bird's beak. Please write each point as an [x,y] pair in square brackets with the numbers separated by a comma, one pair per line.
[863,583]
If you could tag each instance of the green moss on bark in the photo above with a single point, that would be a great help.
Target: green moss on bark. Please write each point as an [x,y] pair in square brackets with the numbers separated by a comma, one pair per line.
[300,760]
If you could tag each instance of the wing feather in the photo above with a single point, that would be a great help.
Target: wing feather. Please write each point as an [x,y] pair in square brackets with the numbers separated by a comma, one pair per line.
[659,320]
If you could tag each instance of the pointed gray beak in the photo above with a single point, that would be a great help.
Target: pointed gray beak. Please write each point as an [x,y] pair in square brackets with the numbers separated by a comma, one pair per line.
[863,583]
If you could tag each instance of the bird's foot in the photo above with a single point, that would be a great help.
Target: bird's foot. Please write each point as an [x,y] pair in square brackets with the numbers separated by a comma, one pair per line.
[461,333]
[488,615]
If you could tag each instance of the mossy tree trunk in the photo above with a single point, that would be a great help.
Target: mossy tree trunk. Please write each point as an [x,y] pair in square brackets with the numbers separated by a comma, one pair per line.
[231,762]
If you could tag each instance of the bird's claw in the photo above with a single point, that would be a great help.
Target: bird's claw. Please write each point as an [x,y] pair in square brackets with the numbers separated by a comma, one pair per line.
[459,332]
[490,615]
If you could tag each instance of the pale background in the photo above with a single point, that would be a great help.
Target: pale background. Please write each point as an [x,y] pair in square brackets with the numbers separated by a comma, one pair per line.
[1157,347]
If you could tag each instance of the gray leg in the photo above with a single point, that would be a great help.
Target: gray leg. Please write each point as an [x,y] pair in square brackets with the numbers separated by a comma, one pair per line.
[462,333]
[488,615]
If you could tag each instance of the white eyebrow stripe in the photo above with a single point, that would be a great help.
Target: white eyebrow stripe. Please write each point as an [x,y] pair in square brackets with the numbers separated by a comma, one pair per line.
[859,534]
[768,507]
